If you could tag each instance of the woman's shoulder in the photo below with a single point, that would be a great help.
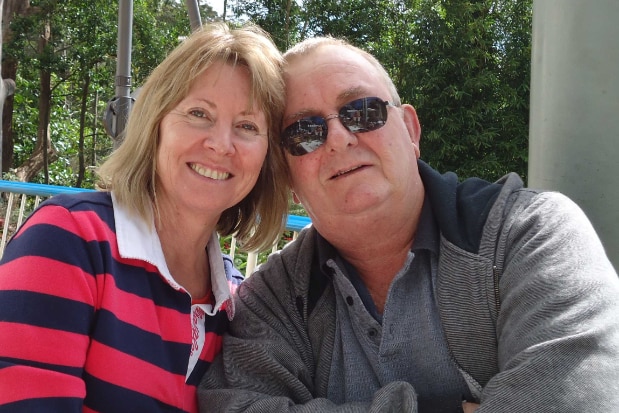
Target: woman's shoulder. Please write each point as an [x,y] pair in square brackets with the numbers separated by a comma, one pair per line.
[93,206]
[81,200]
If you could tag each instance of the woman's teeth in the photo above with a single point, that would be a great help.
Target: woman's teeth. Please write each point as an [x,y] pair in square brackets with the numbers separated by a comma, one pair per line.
[209,173]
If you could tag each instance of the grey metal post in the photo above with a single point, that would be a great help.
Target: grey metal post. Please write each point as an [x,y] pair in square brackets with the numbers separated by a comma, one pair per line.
[574,122]
[123,100]
[194,14]
[7,88]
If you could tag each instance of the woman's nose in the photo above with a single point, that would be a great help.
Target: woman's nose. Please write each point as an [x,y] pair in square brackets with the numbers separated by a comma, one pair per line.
[220,139]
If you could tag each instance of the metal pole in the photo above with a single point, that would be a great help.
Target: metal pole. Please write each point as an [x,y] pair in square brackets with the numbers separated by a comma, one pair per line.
[7,88]
[123,99]
[194,14]
[574,121]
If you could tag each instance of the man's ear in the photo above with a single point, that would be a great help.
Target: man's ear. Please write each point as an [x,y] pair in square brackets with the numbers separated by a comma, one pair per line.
[412,125]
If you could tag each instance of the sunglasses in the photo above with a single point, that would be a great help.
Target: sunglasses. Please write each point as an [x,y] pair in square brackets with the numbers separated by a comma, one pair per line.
[358,116]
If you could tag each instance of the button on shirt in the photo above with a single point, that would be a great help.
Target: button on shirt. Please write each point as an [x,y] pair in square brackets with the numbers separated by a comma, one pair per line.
[405,343]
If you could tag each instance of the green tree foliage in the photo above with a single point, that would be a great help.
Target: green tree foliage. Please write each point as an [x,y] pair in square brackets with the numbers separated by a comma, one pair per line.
[463,64]
[469,80]
[81,58]
[283,19]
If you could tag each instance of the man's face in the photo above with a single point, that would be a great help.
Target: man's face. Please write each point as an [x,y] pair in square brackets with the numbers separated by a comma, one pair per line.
[356,174]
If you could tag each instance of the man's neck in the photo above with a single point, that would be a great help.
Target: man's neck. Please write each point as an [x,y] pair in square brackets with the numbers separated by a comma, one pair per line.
[378,249]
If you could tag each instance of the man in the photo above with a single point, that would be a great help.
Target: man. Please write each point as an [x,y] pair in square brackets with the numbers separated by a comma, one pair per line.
[411,292]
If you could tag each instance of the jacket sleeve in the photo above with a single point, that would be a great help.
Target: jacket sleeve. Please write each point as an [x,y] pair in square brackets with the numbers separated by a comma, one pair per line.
[46,306]
[267,363]
[558,324]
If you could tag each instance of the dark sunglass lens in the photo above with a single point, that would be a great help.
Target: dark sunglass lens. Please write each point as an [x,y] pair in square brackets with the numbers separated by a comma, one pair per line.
[352,115]
[305,135]
[376,113]
[363,115]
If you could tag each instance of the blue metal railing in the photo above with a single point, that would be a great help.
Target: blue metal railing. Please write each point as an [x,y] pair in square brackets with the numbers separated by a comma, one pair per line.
[41,190]
[24,192]
[293,223]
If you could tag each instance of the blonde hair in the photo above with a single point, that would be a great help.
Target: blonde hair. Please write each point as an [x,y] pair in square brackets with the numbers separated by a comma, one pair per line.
[307,46]
[130,171]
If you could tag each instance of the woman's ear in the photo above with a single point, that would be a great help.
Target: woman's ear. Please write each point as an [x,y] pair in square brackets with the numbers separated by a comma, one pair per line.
[295,198]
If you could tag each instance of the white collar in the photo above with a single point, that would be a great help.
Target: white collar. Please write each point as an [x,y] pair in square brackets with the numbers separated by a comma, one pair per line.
[138,239]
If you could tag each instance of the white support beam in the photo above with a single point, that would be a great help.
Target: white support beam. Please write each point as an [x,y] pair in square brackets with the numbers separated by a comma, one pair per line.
[574,122]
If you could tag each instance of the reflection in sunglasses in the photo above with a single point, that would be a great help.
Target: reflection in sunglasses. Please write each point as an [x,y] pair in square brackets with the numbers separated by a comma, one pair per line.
[358,116]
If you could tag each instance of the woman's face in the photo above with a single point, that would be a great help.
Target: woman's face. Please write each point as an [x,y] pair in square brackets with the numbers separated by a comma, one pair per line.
[212,144]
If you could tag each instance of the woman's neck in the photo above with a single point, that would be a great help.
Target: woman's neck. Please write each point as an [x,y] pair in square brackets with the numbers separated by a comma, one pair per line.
[183,241]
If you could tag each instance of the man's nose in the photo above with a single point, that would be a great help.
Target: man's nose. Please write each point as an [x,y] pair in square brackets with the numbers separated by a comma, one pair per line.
[339,137]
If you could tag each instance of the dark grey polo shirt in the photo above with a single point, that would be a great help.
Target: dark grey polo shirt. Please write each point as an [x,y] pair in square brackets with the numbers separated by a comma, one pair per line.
[405,343]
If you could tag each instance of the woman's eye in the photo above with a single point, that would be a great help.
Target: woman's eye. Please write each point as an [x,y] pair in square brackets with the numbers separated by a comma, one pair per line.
[249,128]
[199,113]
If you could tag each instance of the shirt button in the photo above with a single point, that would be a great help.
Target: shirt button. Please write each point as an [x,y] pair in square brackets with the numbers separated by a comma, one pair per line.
[349,300]
[372,332]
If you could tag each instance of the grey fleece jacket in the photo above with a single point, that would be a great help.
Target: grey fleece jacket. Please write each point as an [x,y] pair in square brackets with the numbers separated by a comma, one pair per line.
[527,297]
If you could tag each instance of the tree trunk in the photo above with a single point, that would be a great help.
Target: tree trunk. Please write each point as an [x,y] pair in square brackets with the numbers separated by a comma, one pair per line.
[95,123]
[29,169]
[45,97]
[10,9]
[44,150]
[83,110]
[3,92]
[287,25]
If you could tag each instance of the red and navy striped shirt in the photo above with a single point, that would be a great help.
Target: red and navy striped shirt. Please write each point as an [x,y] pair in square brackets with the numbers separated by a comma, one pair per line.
[92,321]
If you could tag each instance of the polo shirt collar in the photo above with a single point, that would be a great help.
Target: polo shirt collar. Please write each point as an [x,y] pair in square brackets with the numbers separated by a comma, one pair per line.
[138,239]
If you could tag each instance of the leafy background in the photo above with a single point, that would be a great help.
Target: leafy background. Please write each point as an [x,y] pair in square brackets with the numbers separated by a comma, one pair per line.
[463,64]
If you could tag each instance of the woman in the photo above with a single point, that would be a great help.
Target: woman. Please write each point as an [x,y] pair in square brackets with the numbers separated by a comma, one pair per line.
[115,301]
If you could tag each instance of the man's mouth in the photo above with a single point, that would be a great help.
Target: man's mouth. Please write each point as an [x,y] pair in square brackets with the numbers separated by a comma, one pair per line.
[209,173]
[340,173]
